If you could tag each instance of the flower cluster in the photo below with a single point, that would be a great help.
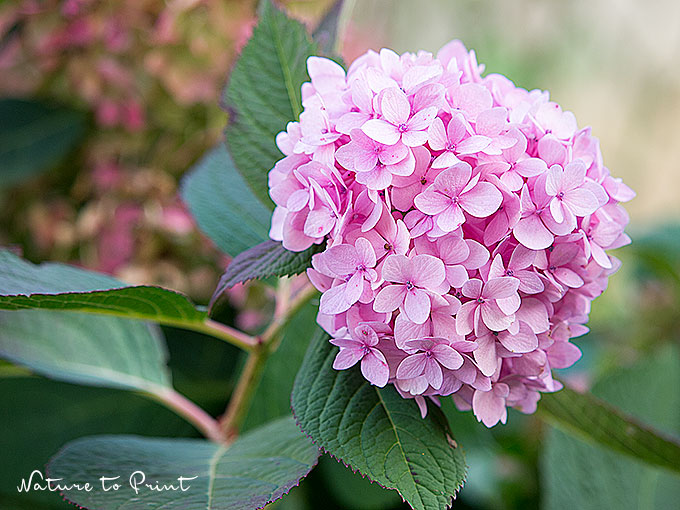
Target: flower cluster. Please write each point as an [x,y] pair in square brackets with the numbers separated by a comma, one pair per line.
[466,222]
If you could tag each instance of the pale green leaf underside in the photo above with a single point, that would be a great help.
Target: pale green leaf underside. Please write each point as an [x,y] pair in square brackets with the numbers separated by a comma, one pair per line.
[86,349]
[592,419]
[59,287]
[376,431]
[225,209]
[263,94]
[589,477]
[257,468]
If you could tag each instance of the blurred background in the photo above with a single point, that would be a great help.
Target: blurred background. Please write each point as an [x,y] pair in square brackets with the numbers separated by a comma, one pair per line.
[114,101]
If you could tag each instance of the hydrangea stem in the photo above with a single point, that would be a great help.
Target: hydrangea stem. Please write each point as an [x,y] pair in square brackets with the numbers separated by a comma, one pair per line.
[286,308]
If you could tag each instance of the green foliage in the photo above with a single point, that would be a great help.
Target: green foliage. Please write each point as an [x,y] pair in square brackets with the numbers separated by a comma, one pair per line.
[263,94]
[595,420]
[86,349]
[40,416]
[257,468]
[223,206]
[376,431]
[266,259]
[59,287]
[35,137]
[585,476]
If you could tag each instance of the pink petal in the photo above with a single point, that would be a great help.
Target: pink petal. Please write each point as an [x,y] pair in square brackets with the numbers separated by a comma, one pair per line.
[532,233]
[456,276]
[422,120]
[450,218]
[389,299]
[405,330]
[354,288]
[531,167]
[499,288]
[472,288]
[488,408]
[341,259]
[436,135]
[427,271]
[393,154]
[465,318]
[553,181]
[395,107]
[334,301]
[563,354]
[414,138]
[481,201]
[581,201]
[447,356]
[521,258]
[431,202]
[411,366]
[453,181]
[445,160]
[525,340]
[396,268]
[494,318]
[381,131]
[365,251]
[433,374]
[529,282]
[574,175]
[474,144]
[568,277]
[417,306]
[485,354]
[533,312]
[347,358]
[374,368]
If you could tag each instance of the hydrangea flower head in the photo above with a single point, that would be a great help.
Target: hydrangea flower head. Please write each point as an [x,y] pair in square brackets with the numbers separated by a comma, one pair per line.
[467,223]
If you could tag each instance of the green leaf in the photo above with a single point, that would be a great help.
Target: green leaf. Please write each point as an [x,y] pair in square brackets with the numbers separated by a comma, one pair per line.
[593,419]
[56,413]
[34,137]
[376,431]
[223,205]
[580,475]
[86,349]
[257,468]
[60,287]
[266,259]
[263,94]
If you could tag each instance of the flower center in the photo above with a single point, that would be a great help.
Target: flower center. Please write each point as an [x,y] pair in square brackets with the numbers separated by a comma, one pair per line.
[480,300]
[409,285]
[552,268]
[560,195]
[423,180]
[388,246]
[402,128]
[510,272]
[361,267]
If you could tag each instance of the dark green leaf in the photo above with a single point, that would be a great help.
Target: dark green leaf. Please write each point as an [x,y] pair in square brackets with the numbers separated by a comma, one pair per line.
[580,475]
[60,287]
[591,418]
[266,259]
[86,349]
[40,416]
[223,206]
[257,468]
[34,137]
[263,94]
[376,431]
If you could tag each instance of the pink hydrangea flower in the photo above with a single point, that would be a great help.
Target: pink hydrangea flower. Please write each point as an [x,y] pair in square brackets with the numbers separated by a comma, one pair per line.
[467,223]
